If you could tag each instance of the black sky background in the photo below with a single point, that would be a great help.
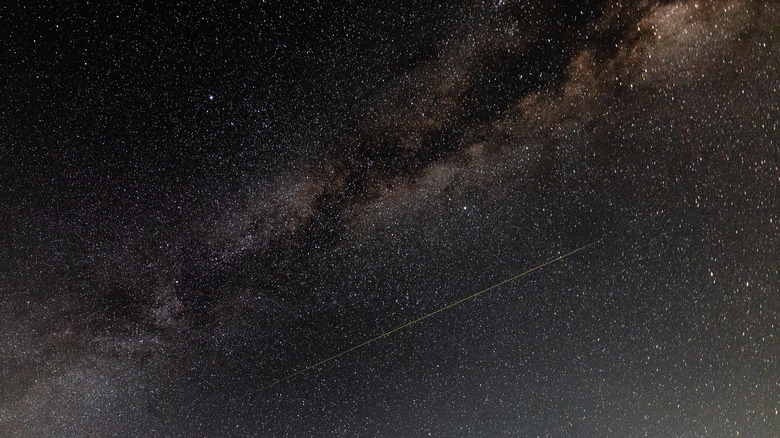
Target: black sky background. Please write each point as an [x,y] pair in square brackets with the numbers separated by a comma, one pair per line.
[200,199]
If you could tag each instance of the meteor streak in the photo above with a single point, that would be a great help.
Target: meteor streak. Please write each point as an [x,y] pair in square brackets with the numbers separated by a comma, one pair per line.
[470,297]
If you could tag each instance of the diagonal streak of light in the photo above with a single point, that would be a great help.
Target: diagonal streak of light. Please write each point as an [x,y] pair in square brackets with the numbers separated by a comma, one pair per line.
[470,297]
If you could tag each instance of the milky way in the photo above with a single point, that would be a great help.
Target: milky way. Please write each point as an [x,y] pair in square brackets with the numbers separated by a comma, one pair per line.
[201,200]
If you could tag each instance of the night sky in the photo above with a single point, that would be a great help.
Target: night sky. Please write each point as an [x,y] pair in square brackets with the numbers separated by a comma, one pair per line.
[198,200]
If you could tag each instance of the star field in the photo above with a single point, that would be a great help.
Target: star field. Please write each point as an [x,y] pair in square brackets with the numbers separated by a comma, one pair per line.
[199,200]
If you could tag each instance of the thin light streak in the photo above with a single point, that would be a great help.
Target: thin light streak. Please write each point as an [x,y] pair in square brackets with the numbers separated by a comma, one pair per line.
[470,297]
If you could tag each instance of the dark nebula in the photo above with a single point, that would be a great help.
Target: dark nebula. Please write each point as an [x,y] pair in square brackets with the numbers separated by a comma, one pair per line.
[201,199]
